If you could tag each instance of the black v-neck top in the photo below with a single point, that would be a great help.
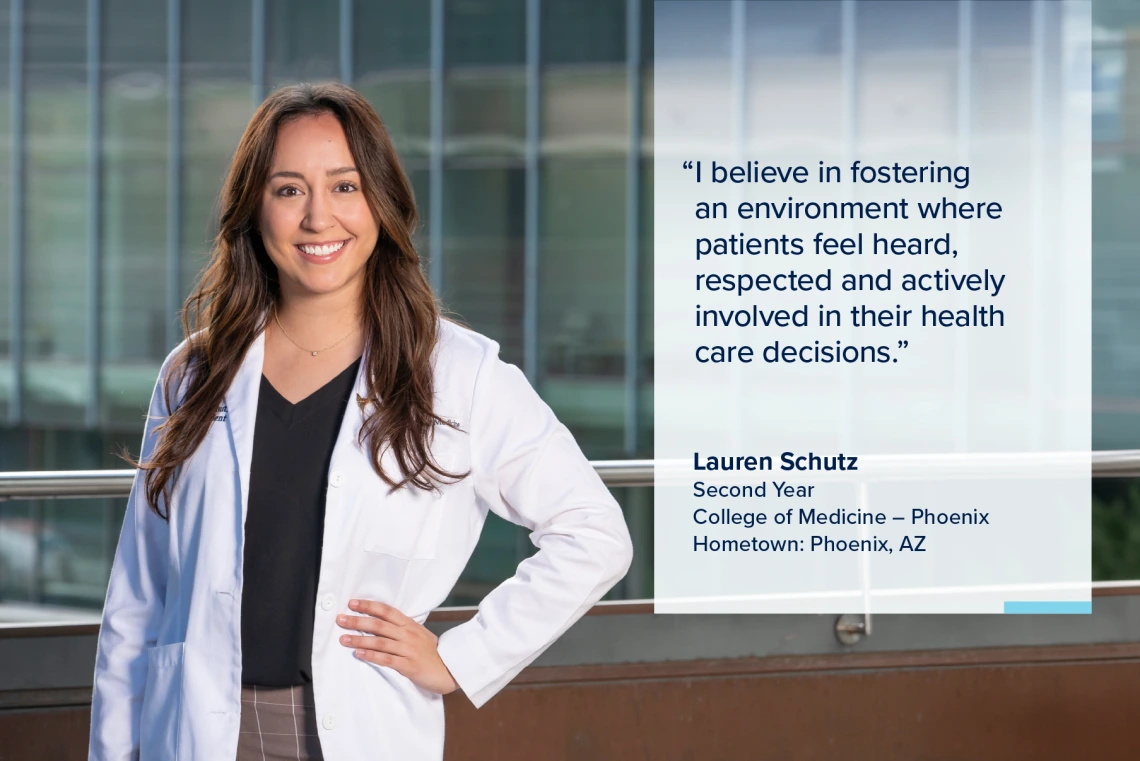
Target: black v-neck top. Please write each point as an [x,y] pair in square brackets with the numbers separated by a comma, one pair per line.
[284,528]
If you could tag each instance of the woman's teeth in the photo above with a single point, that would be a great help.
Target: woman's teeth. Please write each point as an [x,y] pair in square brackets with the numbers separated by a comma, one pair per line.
[330,248]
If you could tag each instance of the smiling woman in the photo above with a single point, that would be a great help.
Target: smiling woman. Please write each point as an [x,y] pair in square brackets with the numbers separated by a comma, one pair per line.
[277,563]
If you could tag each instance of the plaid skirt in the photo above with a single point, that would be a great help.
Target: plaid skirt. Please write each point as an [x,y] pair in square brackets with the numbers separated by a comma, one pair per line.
[278,723]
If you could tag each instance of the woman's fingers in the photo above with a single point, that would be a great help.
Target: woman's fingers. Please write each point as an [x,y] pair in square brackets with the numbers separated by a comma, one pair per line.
[371,626]
[378,644]
[380,610]
[402,665]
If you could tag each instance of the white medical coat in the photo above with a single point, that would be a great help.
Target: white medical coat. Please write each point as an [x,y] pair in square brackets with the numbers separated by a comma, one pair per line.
[168,668]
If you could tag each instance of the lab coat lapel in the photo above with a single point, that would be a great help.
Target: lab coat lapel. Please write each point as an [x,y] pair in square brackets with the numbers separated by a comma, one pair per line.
[241,411]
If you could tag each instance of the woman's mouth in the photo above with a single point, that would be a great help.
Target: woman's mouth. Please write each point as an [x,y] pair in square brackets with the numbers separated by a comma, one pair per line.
[324,251]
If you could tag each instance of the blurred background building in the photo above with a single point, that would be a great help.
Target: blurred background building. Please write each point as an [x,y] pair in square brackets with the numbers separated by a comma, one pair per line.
[526,127]
[519,123]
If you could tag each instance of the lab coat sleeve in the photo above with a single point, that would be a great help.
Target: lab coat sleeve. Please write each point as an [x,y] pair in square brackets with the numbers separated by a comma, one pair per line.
[132,613]
[530,471]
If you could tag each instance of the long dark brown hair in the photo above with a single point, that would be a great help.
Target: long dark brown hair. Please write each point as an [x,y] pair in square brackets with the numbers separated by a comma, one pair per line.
[230,305]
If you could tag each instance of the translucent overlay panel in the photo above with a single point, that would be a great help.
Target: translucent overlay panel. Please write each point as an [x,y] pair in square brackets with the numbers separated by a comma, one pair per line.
[872,307]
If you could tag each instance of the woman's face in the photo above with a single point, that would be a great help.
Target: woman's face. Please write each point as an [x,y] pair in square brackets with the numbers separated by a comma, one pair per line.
[314,220]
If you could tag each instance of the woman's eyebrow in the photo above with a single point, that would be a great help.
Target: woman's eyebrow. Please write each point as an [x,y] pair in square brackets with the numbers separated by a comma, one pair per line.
[329,173]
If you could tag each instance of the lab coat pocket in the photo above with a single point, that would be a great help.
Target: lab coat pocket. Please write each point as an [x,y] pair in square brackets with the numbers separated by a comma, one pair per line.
[404,524]
[162,704]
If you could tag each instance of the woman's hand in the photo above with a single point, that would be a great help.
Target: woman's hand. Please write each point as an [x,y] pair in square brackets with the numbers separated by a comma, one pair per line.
[399,643]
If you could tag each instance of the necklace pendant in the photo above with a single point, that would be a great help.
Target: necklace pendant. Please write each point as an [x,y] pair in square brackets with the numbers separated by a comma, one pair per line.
[315,353]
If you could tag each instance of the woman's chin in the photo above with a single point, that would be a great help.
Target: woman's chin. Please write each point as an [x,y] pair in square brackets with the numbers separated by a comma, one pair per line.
[323,285]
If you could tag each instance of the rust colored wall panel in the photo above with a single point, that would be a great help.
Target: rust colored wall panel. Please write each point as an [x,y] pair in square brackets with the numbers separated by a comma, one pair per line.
[1059,710]
[58,734]
[1011,704]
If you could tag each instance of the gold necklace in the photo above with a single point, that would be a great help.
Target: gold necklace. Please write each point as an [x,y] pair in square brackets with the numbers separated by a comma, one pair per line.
[302,348]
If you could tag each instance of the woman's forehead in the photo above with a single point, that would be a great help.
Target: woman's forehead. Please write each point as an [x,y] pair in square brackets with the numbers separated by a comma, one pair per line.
[316,141]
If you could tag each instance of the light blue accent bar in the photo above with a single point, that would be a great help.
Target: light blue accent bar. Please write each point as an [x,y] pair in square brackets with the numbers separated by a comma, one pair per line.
[1047,606]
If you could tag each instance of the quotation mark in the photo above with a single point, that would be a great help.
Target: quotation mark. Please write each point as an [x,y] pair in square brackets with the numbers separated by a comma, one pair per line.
[687,165]
[904,344]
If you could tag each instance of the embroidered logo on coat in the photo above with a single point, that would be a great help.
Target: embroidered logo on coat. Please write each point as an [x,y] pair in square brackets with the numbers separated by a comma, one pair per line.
[449,422]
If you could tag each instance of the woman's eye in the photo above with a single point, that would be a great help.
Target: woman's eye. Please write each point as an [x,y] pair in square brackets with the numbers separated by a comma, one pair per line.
[288,190]
[346,187]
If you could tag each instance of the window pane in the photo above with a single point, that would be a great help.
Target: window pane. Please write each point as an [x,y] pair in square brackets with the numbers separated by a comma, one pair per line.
[791,28]
[908,71]
[1004,24]
[394,34]
[583,31]
[1115,229]
[485,112]
[1116,529]
[886,25]
[57,552]
[480,32]
[135,166]
[585,110]
[216,105]
[585,105]
[483,253]
[55,295]
[402,98]
[1002,70]
[485,90]
[392,48]
[794,60]
[302,41]
[582,300]
[637,505]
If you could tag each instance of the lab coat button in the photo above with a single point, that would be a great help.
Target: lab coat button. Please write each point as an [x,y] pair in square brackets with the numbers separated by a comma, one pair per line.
[328,601]
[336,478]
[329,722]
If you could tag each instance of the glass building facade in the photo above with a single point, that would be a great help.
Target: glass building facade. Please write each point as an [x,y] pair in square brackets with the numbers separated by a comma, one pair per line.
[519,122]
[526,127]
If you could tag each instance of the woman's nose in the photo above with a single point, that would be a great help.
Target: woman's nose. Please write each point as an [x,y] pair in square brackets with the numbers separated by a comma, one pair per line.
[318,216]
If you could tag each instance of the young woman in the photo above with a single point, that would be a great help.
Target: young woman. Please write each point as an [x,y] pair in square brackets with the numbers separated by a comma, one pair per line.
[319,458]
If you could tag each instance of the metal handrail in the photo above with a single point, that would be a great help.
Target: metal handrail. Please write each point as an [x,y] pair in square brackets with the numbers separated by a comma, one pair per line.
[1124,463]
[71,484]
